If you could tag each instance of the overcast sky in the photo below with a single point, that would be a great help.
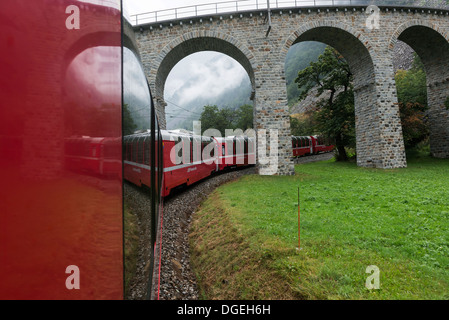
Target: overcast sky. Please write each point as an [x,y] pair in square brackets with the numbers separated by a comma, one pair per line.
[201,75]
[141,6]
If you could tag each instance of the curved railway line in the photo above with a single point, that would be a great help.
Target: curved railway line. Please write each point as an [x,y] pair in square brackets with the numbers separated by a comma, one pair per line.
[178,281]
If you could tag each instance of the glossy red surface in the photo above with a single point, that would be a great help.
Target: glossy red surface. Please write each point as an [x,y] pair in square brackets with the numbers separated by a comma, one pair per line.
[60,206]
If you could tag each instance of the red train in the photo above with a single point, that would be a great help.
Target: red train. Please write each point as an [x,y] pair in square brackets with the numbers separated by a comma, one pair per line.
[310,145]
[187,158]
[97,156]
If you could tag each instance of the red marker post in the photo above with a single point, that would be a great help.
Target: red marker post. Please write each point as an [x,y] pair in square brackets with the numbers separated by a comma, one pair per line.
[299,223]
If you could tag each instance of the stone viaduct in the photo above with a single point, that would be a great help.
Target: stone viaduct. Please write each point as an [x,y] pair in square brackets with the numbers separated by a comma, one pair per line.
[369,52]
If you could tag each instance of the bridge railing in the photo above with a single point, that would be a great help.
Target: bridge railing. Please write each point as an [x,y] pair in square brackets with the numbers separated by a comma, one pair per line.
[228,7]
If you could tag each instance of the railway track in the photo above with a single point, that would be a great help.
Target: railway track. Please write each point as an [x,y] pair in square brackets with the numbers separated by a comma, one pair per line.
[178,281]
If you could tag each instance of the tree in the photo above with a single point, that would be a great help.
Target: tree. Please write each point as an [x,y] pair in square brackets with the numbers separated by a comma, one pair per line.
[304,124]
[414,127]
[245,116]
[221,119]
[335,116]
[412,99]
[411,85]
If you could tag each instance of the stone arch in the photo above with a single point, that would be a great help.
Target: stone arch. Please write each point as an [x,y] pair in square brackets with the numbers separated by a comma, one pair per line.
[324,31]
[376,146]
[431,43]
[193,42]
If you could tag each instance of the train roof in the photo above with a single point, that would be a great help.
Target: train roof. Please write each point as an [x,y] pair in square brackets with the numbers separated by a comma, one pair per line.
[175,134]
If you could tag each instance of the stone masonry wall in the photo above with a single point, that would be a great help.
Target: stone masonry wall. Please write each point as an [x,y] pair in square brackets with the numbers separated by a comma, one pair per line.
[369,53]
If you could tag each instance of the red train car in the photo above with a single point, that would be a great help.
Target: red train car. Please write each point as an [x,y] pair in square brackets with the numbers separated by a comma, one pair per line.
[320,145]
[310,145]
[97,156]
[136,158]
[187,158]
[63,67]
[302,146]
[60,229]
[236,151]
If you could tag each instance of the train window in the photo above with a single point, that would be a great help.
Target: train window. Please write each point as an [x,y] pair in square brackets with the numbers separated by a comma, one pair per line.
[208,148]
[191,150]
[135,149]
[147,150]
[252,145]
[130,150]
[203,146]
[212,154]
[140,150]
[138,124]
[136,96]
[180,149]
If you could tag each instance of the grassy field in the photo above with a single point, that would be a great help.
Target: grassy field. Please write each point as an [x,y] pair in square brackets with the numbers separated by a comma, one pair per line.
[131,238]
[244,237]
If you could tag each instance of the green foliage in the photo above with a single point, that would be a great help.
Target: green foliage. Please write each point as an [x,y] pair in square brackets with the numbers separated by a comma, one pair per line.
[304,125]
[411,85]
[335,117]
[221,119]
[414,127]
[412,98]
[337,121]
[245,117]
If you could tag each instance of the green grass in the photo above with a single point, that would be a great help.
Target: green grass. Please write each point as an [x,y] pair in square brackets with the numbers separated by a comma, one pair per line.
[131,237]
[351,218]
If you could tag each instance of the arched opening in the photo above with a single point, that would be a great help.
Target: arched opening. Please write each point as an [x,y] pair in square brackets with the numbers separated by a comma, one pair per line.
[206,78]
[190,44]
[432,48]
[355,49]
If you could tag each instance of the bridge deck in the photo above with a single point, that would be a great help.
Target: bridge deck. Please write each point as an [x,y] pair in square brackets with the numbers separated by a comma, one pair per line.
[230,7]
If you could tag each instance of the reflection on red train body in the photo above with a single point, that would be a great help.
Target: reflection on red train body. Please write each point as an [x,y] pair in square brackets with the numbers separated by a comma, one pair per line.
[61,203]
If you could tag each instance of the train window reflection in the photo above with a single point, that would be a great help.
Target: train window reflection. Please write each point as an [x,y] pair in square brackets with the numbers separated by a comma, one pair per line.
[140,197]
[136,95]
